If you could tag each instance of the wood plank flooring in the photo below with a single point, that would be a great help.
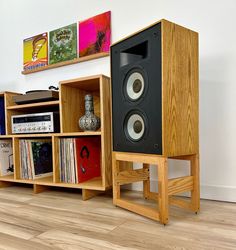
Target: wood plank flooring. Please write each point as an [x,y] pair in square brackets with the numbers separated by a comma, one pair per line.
[61,220]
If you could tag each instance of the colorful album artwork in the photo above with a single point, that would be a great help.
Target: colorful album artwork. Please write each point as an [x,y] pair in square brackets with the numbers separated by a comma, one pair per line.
[6,158]
[95,34]
[63,44]
[88,158]
[35,51]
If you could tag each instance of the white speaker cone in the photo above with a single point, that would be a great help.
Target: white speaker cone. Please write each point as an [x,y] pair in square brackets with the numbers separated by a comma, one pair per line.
[135,86]
[135,127]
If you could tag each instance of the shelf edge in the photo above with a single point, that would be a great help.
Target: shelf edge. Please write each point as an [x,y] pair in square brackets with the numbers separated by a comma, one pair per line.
[70,62]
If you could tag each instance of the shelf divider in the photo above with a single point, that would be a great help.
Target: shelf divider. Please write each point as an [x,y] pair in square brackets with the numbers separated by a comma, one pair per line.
[33,105]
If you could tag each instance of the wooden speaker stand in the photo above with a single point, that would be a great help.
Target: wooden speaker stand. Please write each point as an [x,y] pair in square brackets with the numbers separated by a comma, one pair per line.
[167,188]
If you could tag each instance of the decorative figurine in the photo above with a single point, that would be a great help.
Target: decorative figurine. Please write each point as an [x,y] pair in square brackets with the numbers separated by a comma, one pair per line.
[89,121]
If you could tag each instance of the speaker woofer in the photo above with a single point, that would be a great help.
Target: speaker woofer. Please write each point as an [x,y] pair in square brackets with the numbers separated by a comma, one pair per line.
[135,85]
[135,126]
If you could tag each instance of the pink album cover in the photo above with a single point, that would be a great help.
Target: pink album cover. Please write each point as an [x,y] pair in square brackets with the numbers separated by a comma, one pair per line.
[95,34]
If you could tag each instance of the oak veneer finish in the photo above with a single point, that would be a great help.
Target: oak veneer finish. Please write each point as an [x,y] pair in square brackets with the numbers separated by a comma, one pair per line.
[180,104]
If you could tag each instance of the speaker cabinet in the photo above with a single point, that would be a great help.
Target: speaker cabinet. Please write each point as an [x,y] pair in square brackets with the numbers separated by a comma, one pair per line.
[155,91]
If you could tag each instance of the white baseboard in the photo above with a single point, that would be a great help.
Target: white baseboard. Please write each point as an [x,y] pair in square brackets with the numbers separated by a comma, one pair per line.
[219,193]
[211,192]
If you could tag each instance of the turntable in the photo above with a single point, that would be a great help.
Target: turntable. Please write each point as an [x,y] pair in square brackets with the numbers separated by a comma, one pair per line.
[34,96]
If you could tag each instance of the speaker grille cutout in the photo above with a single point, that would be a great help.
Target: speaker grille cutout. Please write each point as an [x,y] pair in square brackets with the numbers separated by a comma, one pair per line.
[134,54]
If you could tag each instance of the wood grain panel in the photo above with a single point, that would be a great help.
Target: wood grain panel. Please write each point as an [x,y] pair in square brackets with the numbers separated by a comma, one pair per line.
[195,172]
[180,185]
[162,169]
[72,105]
[9,102]
[115,170]
[88,194]
[140,209]
[146,183]
[105,107]
[72,108]
[179,90]
[180,203]
[16,158]
[130,176]
[88,83]
[32,105]
[55,158]
[134,157]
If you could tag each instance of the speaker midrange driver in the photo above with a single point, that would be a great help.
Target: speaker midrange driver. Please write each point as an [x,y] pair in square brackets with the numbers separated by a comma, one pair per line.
[135,126]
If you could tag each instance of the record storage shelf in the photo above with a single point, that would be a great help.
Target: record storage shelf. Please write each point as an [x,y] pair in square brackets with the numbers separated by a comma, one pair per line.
[71,108]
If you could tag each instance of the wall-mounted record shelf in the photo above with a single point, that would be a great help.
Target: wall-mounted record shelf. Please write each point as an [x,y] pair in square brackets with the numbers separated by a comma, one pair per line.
[74,61]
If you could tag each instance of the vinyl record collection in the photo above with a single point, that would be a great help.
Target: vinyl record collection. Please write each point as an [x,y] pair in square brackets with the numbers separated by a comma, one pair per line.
[68,168]
[36,158]
[79,159]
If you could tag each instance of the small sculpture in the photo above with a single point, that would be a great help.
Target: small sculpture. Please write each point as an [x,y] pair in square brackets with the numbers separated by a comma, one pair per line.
[89,121]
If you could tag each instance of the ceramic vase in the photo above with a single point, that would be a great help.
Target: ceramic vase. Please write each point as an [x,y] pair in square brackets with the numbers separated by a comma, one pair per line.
[89,121]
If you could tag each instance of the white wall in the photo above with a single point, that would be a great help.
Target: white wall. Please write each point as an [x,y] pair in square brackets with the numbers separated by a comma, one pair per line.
[214,20]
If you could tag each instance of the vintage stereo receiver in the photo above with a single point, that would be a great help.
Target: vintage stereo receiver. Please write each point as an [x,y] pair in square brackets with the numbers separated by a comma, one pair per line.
[35,123]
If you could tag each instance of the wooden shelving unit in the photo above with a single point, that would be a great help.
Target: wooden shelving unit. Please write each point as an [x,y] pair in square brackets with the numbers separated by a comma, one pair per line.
[74,61]
[71,108]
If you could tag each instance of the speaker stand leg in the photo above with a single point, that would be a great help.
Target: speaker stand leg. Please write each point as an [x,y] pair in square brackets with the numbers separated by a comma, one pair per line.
[116,186]
[146,183]
[195,193]
[163,190]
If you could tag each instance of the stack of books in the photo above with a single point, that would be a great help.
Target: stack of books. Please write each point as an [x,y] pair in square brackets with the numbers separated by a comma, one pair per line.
[35,158]
[79,159]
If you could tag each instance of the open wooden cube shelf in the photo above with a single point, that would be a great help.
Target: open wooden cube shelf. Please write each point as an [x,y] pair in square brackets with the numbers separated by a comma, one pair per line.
[72,97]
[71,107]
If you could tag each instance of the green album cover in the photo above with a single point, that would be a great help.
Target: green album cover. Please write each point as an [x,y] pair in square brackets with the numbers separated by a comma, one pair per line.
[63,44]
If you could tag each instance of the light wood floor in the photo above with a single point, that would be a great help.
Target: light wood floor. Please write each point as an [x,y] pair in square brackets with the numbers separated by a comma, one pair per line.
[61,220]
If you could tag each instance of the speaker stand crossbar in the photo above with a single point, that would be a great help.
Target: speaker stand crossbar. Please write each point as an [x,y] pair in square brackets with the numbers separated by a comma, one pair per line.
[167,188]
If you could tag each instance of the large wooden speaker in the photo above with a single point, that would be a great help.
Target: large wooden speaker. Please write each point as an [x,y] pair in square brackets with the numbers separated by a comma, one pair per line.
[155,91]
